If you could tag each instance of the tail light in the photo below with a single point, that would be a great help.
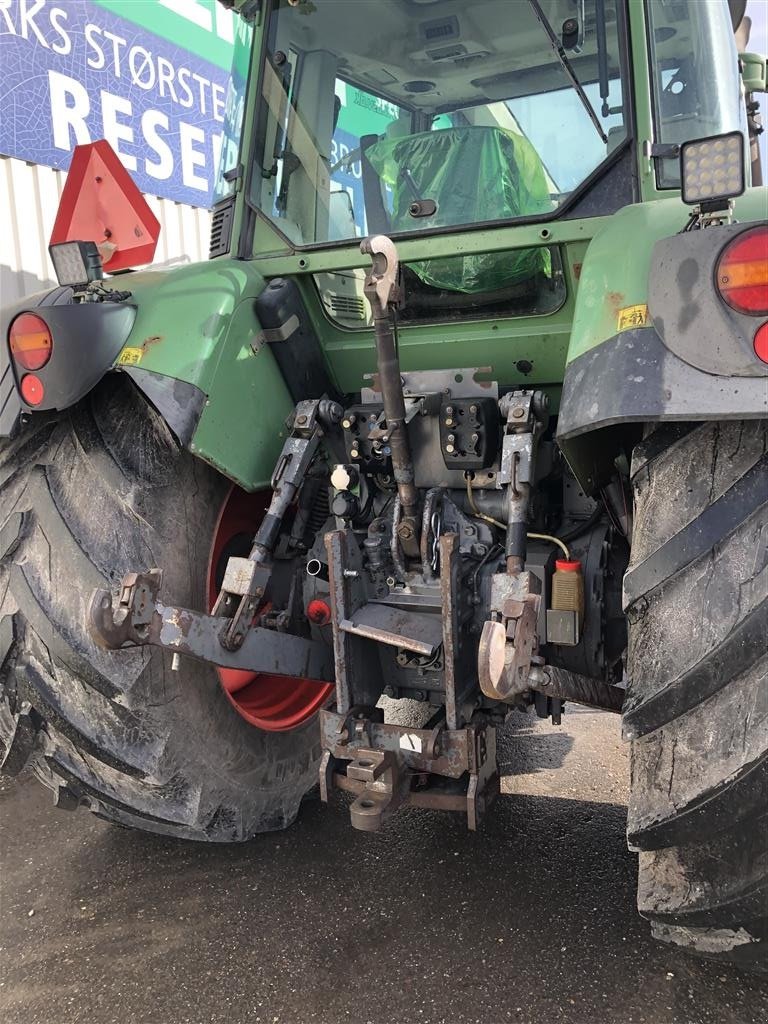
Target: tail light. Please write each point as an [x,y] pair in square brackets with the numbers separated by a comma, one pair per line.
[742,272]
[31,341]
[761,343]
[32,390]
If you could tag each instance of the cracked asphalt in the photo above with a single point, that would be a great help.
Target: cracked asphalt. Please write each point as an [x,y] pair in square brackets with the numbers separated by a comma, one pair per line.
[530,920]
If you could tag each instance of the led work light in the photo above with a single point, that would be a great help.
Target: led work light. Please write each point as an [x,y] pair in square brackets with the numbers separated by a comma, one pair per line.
[712,170]
[76,263]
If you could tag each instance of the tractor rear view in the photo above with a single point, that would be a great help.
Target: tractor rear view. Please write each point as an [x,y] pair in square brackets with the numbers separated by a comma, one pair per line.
[468,408]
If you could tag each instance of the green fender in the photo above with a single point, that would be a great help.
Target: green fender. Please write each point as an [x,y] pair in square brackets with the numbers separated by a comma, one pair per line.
[195,351]
[624,366]
[614,276]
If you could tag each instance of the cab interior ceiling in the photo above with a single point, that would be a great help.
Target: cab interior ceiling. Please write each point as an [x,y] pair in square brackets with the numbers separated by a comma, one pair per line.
[470,53]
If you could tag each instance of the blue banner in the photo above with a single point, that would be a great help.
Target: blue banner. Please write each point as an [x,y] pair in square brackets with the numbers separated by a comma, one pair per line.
[73,72]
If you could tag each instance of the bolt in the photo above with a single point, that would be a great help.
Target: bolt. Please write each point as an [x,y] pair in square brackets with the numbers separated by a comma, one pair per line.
[449,422]
[451,438]
[354,454]
[473,410]
[301,420]
[258,591]
[450,449]
[419,695]
[518,412]
[405,531]
[449,410]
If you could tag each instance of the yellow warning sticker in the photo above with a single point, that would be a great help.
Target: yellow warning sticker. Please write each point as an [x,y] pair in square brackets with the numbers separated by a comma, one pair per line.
[130,357]
[632,316]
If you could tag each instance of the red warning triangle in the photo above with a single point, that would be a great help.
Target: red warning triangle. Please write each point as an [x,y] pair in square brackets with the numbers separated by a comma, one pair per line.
[100,203]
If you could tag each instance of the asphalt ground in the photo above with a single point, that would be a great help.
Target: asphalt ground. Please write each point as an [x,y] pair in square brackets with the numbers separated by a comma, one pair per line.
[530,920]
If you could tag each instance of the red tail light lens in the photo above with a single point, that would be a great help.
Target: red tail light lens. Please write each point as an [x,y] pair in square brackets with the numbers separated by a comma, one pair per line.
[32,390]
[761,343]
[742,272]
[31,341]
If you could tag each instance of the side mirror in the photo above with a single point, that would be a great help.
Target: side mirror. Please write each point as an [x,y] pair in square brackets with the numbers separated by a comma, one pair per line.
[753,72]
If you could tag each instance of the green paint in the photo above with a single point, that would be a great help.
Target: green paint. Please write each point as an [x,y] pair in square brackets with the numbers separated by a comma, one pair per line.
[197,324]
[204,314]
[618,261]
[183,31]
[499,343]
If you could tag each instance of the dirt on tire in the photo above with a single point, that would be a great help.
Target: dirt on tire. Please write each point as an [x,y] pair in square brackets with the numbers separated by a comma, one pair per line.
[86,496]
[696,594]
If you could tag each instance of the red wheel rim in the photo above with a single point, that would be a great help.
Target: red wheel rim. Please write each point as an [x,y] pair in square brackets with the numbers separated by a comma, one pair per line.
[274,703]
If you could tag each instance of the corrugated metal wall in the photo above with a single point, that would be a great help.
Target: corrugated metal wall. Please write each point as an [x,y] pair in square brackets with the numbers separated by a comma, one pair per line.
[29,197]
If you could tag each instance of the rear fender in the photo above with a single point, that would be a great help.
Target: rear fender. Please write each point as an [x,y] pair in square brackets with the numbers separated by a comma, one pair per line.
[191,340]
[652,341]
[200,353]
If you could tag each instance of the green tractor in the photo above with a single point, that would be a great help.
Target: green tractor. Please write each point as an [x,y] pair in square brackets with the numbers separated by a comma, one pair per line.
[468,408]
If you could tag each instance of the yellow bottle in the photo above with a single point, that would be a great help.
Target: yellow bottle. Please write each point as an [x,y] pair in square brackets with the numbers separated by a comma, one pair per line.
[568,588]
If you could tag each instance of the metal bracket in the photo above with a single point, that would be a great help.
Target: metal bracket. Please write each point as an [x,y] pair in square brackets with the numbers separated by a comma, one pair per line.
[385,788]
[391,766]
[381,282]
[275,335]
[141,620]
[508,642]
[246,580]
[358,673]
[661,150]
[462,383]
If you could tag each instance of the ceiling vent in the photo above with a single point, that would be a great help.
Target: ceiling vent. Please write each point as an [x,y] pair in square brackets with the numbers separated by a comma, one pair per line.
[441,30]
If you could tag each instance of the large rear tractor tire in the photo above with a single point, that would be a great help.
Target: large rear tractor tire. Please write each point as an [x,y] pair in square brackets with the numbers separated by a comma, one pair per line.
[85,497]
[697,707]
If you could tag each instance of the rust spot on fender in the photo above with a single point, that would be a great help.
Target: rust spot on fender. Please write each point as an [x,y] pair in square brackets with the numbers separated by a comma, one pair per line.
[615,301]
[153,339]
